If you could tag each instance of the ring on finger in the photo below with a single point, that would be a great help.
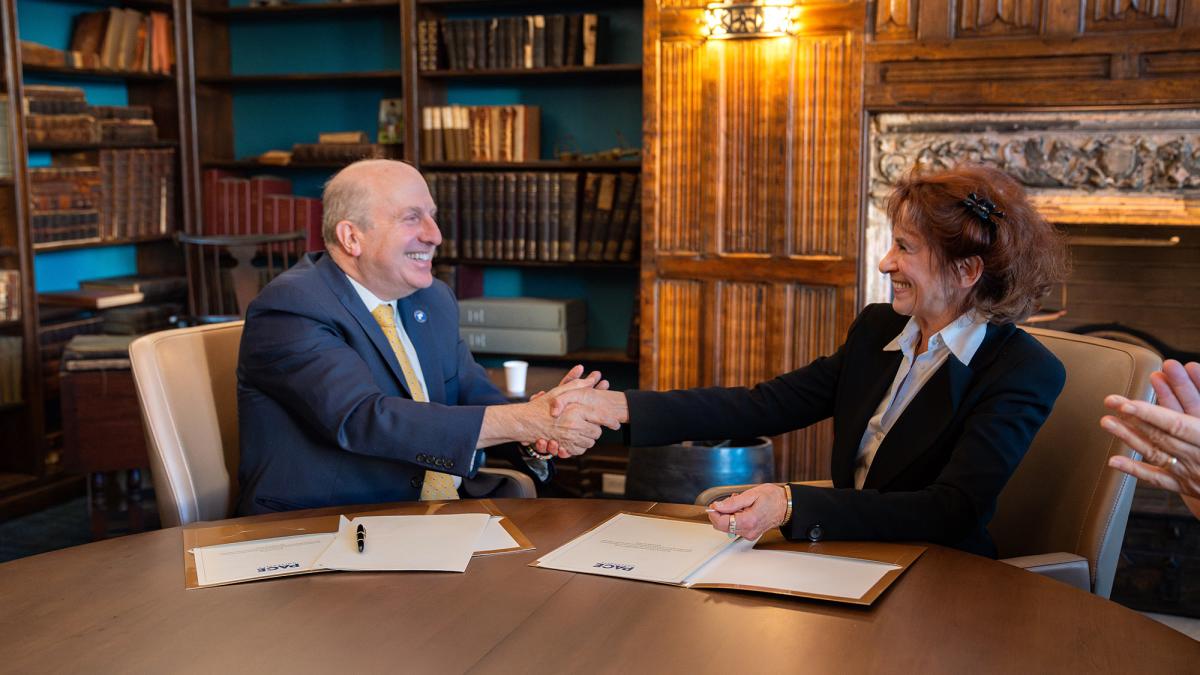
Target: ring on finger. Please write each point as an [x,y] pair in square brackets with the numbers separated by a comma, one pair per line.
[1170,465]
[733,524]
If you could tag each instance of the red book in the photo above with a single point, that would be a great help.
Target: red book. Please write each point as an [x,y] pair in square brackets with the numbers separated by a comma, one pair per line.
[235,196]
[213,219]
[308,219]
[260,188]
[279,215]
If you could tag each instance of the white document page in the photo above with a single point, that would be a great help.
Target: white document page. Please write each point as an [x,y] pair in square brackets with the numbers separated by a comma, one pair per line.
[259,559]
[495,537]
[640,547]
[393,543]
[792,571]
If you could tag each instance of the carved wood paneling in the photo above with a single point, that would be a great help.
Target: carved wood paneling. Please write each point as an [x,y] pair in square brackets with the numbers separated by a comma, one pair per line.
[824,146]
[1121,15]
[816,323]
[896,19]
[751,128]
[987,18]
[681,147]
[1166,64]
[678,321]
[741,357]
[986,70]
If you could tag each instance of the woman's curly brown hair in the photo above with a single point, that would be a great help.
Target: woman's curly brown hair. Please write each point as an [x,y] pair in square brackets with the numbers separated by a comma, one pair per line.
[1023,255]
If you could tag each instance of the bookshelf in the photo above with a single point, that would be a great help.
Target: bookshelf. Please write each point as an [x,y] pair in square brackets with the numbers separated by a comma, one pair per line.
[29,458]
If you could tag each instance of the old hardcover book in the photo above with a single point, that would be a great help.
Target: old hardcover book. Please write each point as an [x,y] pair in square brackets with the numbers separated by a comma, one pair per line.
[509,217]
[527,43]
[533,217]
[427,134]
[479,197]
[92,298]
[524,341]
[521,222]
[260,188]
[466,214]
[279,214]
[633,230]
[591,29]
[568,214]
[556,25]
[605,200]
[87,37]
[587,215]
[549,206]
[454,216]
[532,313]
[343,137]
[539,41]
[627,184]
[308,219]
[154,288]
[489,219]
[493,43]
[572,46]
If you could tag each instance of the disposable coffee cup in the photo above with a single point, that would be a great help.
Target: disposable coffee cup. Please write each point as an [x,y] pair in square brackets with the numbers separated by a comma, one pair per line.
[514,376]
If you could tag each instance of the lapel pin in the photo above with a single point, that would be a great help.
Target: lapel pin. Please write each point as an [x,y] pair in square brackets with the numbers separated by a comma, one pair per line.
[420,316]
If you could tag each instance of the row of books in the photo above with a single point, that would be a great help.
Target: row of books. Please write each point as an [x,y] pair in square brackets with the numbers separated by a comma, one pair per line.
[10,295]
[537,41]
[541,216]
[113,194]
[258,205]
[492,133]
[10,370]
[123,39]
[57,114]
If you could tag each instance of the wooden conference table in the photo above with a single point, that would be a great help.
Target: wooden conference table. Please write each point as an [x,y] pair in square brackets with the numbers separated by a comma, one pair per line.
[120,605]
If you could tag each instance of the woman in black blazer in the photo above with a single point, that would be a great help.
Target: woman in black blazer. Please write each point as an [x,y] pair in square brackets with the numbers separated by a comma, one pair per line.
[935,398]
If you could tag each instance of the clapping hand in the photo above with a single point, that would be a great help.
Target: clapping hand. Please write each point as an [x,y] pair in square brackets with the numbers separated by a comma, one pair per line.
[1167,434]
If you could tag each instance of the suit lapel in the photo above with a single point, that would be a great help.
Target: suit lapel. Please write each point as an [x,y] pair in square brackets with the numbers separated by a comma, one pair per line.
[336,278]
[875,371]
[933,409]
[420,332]
[925,418]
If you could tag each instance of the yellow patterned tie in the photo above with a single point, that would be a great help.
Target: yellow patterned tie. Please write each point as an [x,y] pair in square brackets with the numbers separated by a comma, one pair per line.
[437,485]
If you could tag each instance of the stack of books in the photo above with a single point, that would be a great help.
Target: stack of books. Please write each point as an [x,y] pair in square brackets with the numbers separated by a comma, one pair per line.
[537,41]
[543,216]
[523,326]
[258,205]
[62,115]
[480,133]
[65,203]
[123,39]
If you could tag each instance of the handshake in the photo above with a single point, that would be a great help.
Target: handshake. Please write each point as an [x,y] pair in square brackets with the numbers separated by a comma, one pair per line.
[562,422]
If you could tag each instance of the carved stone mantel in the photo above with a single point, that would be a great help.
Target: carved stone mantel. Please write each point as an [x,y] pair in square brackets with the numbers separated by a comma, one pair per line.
[1104,167]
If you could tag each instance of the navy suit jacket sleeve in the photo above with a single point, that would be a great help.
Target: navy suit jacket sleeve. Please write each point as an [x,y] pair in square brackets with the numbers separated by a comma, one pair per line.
[298,355]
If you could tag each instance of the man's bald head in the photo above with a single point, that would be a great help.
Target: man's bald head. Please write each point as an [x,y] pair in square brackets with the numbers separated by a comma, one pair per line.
[349,194]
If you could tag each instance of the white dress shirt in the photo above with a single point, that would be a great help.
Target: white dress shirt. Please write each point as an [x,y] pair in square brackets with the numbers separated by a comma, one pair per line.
[960,337]
[372,301]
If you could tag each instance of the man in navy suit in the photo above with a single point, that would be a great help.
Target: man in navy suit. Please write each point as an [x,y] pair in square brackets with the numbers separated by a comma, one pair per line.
[354,385]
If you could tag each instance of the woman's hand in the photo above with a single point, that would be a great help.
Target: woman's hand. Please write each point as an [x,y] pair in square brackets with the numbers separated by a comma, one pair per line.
[752,512]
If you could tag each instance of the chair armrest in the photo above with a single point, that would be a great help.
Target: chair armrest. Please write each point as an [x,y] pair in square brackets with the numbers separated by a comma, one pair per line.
[516,484]
[1068,568]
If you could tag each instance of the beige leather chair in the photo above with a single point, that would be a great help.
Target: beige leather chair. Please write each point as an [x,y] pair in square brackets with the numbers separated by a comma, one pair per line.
[1063,513]
[187,384]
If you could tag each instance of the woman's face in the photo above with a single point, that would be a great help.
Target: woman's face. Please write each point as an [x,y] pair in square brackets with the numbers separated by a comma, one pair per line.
[919,287]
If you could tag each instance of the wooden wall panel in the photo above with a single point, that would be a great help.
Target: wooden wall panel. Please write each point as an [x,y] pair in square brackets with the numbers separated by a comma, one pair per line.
[753,169]
[824,146]
[681,147]
[1123,15]
[896,19]
[986,18]
[741,357]
[678,320]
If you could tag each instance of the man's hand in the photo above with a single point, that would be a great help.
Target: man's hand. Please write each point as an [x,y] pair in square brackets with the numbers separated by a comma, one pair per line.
[572,430]
[755,511]
[550,446]
[1167,435]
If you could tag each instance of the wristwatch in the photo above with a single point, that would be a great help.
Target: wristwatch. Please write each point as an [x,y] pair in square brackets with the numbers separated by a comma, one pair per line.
[532,453]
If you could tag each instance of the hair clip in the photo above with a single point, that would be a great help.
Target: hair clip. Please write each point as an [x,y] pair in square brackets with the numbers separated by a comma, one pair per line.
[983,208]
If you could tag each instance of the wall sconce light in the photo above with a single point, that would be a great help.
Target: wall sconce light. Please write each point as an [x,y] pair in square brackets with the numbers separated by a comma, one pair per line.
[736,20]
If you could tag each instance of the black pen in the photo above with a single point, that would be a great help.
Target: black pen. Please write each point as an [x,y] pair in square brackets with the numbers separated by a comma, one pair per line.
[362,538]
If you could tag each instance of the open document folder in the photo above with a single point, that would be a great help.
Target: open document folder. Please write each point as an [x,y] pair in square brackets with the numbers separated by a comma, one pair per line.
[692,554]
[408,537]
